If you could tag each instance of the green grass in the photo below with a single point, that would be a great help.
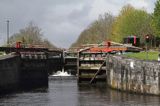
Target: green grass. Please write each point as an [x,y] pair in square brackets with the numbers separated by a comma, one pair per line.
[152,55]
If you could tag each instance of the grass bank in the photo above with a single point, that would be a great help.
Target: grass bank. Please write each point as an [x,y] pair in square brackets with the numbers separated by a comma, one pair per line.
[152,55]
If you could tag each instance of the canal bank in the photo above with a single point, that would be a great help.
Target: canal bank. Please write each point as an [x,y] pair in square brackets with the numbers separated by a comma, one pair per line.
[133,75]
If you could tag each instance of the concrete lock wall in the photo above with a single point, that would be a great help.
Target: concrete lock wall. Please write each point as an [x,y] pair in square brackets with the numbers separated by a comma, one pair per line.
[9,73]
[17,73]
[33,73]
[133,75]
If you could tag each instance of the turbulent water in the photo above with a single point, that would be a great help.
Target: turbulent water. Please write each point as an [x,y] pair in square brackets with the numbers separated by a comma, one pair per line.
[66,92]
[61,73]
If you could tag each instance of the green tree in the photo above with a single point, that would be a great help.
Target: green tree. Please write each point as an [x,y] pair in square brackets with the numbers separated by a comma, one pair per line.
[98,31]
[131,21]
[156,18]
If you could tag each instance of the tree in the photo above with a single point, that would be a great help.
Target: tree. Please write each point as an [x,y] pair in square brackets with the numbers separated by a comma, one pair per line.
[30,35]
[131,21]
[97,31]
[48,44]
[156,18]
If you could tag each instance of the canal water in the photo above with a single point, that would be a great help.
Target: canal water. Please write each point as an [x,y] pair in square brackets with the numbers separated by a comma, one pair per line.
[66,92]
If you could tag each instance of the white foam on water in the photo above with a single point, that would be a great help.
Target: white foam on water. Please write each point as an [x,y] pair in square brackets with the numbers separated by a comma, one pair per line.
[61,73]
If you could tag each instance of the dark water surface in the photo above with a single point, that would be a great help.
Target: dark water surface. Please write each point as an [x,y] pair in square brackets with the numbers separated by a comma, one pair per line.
[68,93]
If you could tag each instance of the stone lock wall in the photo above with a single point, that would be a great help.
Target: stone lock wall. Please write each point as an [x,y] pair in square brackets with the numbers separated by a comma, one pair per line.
[133,75]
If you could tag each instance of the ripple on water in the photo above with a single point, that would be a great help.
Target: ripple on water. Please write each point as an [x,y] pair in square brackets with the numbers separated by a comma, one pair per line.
[66,92]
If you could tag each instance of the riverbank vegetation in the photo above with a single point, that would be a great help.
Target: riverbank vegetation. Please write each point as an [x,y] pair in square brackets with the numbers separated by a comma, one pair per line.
[129,22]
[152,55]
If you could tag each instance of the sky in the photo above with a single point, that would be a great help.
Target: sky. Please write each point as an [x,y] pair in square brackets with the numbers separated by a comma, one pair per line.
[61,21]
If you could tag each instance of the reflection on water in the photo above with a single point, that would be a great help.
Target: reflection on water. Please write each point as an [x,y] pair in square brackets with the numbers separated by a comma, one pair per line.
[67,93]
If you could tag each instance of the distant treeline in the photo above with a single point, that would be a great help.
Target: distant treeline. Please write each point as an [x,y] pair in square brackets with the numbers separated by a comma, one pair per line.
[129,22]
[31,35]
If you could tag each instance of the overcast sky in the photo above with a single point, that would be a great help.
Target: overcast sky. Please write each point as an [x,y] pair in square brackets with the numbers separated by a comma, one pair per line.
[61,21]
